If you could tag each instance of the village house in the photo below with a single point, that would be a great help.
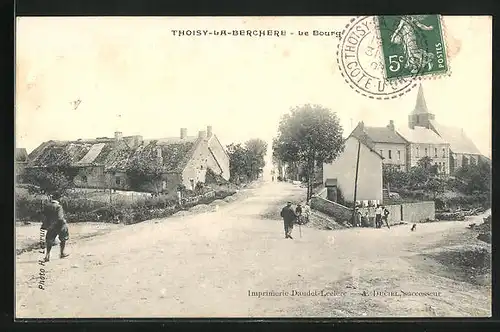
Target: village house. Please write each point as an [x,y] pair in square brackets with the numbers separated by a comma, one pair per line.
[104,162]
[387,142]
[20,162]
[341,173]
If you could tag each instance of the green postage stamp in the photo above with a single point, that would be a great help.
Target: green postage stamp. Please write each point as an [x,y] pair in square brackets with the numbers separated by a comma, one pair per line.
[412,45]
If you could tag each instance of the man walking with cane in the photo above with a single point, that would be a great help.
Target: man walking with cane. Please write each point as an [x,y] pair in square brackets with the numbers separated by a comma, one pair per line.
[289,217]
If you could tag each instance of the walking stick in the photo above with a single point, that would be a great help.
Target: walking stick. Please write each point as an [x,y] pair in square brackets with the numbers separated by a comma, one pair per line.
[300,226]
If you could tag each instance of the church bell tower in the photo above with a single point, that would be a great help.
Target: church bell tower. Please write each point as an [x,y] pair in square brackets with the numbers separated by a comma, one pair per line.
[420,116]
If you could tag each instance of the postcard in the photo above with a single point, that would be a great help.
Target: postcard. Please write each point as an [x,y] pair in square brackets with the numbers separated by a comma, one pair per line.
[253,167]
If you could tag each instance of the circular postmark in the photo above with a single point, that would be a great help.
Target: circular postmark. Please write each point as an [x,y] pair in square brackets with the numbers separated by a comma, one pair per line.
[362,64]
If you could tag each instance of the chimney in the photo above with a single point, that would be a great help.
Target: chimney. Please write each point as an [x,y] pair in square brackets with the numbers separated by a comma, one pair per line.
[118,135]
[391,125]
[361,125]
[183,133]
[209,131]
[202,134]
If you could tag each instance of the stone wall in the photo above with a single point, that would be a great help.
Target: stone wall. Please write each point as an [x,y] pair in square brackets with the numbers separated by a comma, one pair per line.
[416,212]
[408,212]
[337,211]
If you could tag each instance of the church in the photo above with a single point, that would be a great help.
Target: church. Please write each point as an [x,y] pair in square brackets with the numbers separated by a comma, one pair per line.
[462,150]
[402,147]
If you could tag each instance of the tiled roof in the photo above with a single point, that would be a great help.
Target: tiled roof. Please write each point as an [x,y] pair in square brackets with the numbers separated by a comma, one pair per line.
[456,137]
[420,135]
[383,135]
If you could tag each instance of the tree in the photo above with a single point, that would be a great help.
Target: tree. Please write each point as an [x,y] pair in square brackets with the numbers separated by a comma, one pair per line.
[142,171]
[237,163]
[256,150]
[50,181]
[436,186]
[475,178]
[310,135]
[426,164]
[393,177]
[246,161]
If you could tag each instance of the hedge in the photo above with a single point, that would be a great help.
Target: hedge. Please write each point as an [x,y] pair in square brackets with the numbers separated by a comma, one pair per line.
[84,210]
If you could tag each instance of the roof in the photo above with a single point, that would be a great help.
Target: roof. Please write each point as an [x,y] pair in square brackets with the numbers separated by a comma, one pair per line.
[456,137]
[21,155]
[111,154]
[174,155]
[170,140]
[361,136]
[383,135]
[78,153]
[420,135]
[421,105]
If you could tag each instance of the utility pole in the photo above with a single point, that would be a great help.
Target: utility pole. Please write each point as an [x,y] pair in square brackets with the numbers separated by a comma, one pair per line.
[356,184]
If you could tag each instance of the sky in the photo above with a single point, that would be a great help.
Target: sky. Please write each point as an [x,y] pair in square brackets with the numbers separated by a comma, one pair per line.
[132,75]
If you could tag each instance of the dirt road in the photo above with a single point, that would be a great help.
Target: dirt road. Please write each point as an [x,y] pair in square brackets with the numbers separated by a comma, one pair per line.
[211,265]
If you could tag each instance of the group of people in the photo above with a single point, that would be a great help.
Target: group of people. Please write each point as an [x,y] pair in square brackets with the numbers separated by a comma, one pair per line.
[381,217]
[292,216]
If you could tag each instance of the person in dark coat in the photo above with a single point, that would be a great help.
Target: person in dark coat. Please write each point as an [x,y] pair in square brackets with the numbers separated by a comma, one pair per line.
[56,225]
[289,217]
[385,216]
[298,213]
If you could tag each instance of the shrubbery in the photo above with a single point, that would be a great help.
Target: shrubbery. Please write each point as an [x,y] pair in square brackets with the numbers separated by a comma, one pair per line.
[30,207]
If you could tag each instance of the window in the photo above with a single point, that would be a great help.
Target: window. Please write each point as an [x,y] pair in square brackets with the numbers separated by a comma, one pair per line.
[399,155]
[444,153]
[117,180]
[164,184]
[426,152]
[84,178]
[390,154]
[435,152]
[382,153]
[416,152]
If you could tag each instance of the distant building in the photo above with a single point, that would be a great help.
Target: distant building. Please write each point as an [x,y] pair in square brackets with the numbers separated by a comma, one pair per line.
[448,147]
[342,171]
[426,143]
[463,151]
[103,162]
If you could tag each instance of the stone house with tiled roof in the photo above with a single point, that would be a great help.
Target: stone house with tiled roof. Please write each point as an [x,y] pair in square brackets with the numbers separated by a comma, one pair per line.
[103,162]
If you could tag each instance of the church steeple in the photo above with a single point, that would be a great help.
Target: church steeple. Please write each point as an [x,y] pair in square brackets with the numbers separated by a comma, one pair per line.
[421,105]
[420,116]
